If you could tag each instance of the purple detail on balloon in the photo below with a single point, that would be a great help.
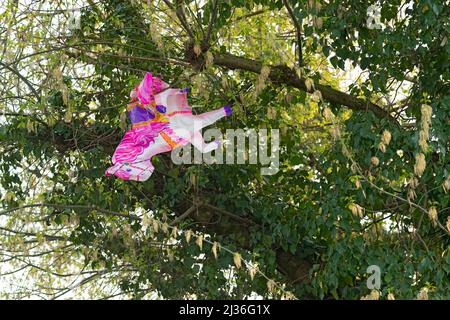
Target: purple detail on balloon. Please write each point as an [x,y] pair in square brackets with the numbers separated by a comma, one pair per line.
[160,108]
[228,110]
[128,169]
[138,114]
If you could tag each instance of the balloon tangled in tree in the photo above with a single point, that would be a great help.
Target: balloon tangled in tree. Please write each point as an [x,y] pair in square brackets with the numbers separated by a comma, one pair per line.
[161,121]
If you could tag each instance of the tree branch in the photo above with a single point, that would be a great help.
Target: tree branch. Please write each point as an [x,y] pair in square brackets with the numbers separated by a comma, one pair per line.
[211,22]
[181,16]
[283,74]
[294,266]
[298,31]
[249,15]
[68,206]
[25,80]
[184,215]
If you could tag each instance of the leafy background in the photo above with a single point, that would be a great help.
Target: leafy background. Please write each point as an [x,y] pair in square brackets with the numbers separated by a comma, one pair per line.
[353,108]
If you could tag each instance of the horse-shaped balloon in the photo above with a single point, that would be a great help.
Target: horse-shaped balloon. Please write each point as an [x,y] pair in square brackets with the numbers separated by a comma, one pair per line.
[161,121]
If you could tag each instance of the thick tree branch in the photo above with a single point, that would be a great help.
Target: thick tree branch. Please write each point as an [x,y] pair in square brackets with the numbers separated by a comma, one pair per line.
[283,74]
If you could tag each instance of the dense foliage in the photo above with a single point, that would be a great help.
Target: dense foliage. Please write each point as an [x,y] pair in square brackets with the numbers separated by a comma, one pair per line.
[364,177]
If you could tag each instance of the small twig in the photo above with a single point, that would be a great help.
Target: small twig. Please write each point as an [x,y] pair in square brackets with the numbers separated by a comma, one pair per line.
[298,31]
[211,22]
[55,205]
[184,215]
[181,16]
[25,80]
[251,14]
[225,212]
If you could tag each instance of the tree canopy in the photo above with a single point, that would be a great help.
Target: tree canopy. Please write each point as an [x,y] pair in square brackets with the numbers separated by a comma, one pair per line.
[363,113]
